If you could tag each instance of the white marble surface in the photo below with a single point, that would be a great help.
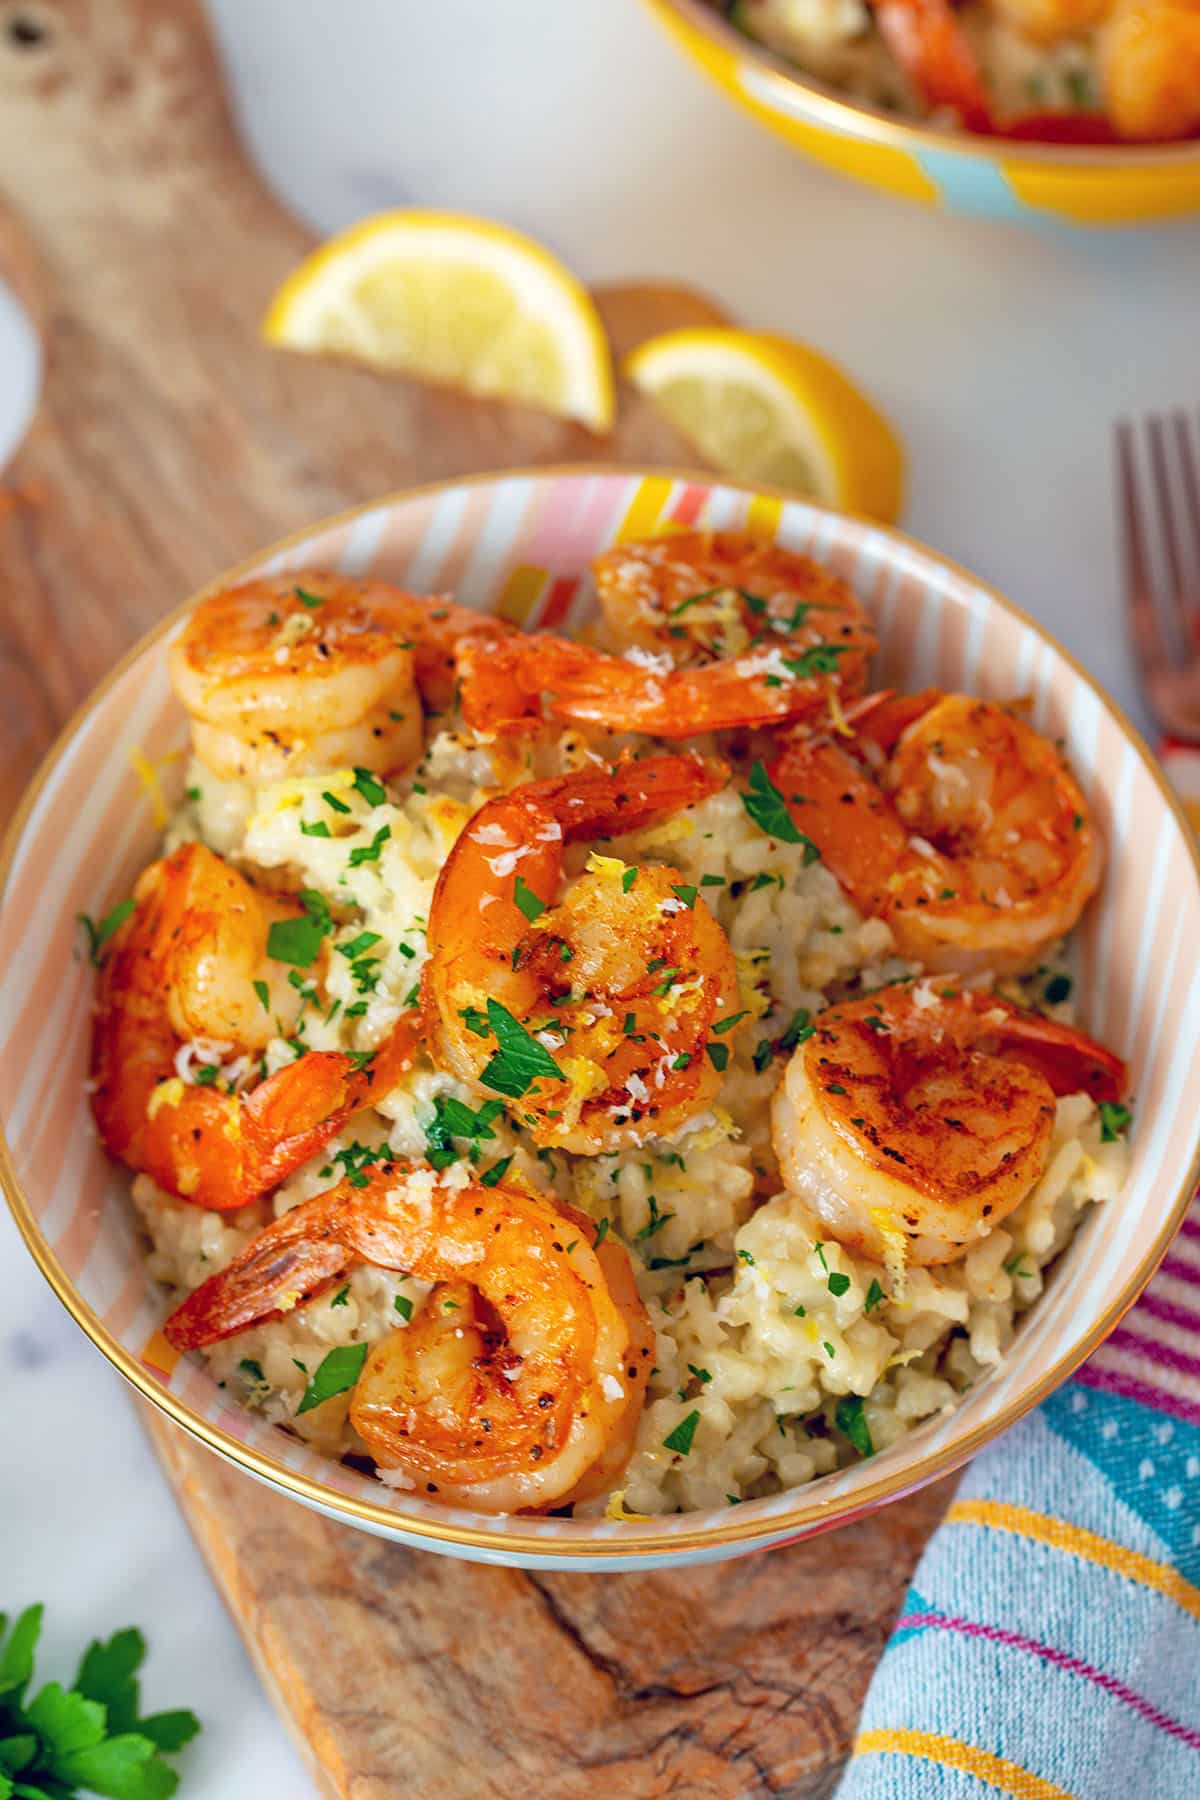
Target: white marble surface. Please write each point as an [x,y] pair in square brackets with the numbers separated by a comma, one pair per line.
[1002,354]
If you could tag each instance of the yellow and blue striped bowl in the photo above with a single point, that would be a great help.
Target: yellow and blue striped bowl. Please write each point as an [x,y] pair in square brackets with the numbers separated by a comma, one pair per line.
[518,544]
[993,178]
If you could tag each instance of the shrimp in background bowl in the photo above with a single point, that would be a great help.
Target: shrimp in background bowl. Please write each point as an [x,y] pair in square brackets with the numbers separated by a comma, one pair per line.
[571,1075]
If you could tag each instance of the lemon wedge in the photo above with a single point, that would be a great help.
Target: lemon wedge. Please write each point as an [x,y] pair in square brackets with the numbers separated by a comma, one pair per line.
[765,409]
[457,300]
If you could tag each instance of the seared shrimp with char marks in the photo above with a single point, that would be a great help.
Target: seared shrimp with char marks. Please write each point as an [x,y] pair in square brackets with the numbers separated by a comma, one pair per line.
[300,673]
[913,1121]
[614,985]
[525,1370]
[722,631]
[954,821]
[183,974]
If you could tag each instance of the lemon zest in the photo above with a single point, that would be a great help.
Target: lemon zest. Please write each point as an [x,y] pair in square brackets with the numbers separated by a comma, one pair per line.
[146,773]
[616,1512]
[167,1093]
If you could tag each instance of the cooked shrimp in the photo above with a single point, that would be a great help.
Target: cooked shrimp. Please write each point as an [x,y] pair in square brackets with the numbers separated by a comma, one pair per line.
[299,673]
[1150,67]
[932,48]
[914,1120]
[593,1007]
[723,631]
[181,977]
[953,820]
[523,1366]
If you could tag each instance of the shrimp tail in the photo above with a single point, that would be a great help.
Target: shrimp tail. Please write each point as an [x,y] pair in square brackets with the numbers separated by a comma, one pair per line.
[288,1262]
[296,1111]
[1070,1061]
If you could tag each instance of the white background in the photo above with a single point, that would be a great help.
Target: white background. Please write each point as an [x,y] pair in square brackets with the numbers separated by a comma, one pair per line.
[1003,355]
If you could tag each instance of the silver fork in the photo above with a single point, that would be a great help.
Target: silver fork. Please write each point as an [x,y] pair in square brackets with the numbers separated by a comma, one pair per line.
[1158,498]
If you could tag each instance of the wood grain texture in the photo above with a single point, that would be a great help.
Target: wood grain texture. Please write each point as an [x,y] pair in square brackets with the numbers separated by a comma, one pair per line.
[170,443]
[405,1673]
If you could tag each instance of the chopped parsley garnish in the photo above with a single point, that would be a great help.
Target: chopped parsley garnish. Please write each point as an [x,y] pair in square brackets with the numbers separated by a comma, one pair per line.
[357,945]
[406,950]
[818,659]
[298,941]
[874,1295]
[314,828]
[333,801]
[335,1374]
[768,808]
[764,1050]
[667,983]
[342,1297]
[205,1074]
[525,898]
[827,1347]
[838,1284]
[264,995]
[655,1222]
[475,1021]
[712,881]
[628,877]
[371,789]
[453,1119]
[745,1256]
[702,1375]
[728,1024]
[193,794]
[252,1370]
[370,852]
[496,1172]
[819,1253]
[680,1440]
[98,935]
[307,599]
[520,1059]
[1058,988]
[849,1418]
[799,1031]
[1014,1269]
[693,600]
[718,1056]
[1114,1120]
[404,1307]
[682,1060]
[357,1158]
[602,1231]
[685,892]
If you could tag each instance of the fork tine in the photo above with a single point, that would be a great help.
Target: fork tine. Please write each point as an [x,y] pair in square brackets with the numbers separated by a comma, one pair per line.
[1157,437]
[1149,643]
[1191,484]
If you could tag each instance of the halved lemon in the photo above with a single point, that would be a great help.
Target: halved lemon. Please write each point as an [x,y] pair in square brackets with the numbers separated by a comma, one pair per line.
[457,300]
[763,408]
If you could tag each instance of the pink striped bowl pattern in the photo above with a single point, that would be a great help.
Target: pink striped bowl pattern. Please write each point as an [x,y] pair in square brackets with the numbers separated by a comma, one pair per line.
[517,543]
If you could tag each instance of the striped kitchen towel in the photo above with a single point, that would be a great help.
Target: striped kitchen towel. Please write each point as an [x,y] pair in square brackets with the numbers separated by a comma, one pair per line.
[1049,1647]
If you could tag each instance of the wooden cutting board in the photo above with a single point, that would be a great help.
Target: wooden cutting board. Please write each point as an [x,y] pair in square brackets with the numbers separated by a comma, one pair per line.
[169,443]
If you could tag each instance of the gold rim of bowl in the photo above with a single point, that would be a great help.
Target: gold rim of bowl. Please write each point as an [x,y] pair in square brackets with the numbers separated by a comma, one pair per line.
[853,118]
[812,1512]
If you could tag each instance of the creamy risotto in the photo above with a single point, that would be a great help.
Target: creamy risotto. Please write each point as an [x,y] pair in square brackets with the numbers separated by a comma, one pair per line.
[798,1321]
[1065,70]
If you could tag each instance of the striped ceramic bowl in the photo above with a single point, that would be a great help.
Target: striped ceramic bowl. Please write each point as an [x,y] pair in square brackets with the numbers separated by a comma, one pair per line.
[517,543]
[995,178]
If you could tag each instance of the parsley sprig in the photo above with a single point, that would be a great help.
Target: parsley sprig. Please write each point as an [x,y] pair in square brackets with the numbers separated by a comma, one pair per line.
[90,1737]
